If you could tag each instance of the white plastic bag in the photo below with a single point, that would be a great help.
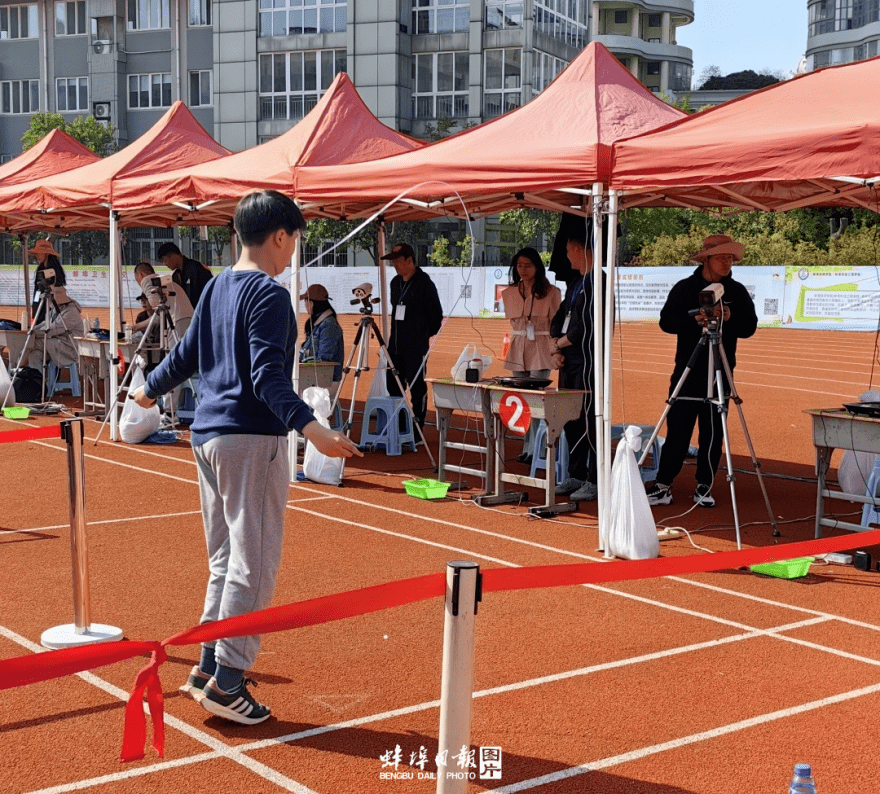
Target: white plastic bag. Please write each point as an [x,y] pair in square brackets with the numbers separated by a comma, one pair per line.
[632,534]
[469,354]
[137,424]
[7,392]
[855,470]
[317,466]
[379,384]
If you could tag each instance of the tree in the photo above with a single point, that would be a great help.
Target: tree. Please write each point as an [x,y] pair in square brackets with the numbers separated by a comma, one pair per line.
[320,230]
[440,256]
[444,127]
[219,236]
[85,129]
[746,79]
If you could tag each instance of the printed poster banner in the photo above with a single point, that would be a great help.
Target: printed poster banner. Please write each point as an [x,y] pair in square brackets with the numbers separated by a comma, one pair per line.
[832,298]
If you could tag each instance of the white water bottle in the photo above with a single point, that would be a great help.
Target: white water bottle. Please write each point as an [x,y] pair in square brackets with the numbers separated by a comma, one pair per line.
[802,781]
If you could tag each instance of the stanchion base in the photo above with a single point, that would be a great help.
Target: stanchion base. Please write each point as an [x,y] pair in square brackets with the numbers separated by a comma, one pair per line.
[66,637]
[668,534]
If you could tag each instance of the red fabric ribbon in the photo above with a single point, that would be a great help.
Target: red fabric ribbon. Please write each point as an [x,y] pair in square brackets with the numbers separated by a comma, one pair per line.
[30,433]
[54,664]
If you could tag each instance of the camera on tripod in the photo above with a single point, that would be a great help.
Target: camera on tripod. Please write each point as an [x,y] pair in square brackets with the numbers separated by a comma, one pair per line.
[45,281]
[363,295]
[155,288]
[710,304]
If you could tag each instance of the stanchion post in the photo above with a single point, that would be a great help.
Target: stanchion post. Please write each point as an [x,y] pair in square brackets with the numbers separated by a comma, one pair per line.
[463,592]
[81,632]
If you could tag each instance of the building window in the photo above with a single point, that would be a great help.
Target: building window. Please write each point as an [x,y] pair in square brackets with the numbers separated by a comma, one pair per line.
[865,12]
[654,20]
[544,68]
[19,22]
[440,16]
[822,17]
[292,82]
[200,93]
[70,18]
[621,17]
[653,67]
[441,82]
[148,14]
[822,58]
[501,14]
[680,76]
[502,81]
[292,17]
[566,22]
[71,93]
[338,257]
[20,96]
[149,90]
[199,13]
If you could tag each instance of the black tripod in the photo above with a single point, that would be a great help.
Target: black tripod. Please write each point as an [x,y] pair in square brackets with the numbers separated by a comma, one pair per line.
[715,396]
[45,287]
[361,347]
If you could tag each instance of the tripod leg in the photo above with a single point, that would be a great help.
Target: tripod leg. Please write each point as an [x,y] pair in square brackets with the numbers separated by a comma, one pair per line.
[737,401]
[731,478]
[27,343]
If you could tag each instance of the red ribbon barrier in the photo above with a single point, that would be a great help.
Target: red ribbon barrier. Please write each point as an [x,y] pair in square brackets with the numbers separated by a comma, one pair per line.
[31,433]
[54,664]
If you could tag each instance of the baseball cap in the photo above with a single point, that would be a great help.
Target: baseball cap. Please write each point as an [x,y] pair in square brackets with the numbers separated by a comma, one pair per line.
[316,292]
[401,249]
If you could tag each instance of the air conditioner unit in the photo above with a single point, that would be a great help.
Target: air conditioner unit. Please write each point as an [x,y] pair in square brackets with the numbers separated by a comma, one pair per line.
[101,111]
[101,47]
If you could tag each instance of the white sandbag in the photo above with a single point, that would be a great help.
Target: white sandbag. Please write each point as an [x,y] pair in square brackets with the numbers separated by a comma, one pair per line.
[317,466]
[379,384]
[136,424]
[632,534]
[466,357]
[7,392]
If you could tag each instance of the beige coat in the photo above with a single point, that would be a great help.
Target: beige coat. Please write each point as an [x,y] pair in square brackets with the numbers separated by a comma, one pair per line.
[523,355]
[60,346]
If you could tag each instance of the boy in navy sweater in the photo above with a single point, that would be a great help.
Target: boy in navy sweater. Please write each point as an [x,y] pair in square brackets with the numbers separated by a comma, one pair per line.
[242,341]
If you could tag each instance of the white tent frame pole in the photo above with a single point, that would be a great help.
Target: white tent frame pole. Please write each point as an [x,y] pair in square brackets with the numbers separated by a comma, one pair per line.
[381,242]
[609,347]
[292,449]
[114,340]
[22,238]
[598,362]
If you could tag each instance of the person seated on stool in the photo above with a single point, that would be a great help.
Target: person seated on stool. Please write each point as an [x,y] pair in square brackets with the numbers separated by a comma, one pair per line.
[324,340]
[65,322]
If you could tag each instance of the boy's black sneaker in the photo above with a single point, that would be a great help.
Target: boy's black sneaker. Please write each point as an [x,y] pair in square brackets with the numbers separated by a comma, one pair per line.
[703,496]
[659,494]
[195,684]
[238,706]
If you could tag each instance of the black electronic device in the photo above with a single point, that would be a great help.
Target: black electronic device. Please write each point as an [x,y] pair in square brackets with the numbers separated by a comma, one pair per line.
[535,384]
[864,409]
[862,561]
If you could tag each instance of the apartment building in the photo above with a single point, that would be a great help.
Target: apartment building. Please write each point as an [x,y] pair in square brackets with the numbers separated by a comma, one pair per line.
[841,31]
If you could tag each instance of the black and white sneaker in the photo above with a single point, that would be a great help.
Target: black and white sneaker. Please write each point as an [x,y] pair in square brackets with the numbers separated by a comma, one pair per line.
[659,494]
[195,684]
[703,496]
[238,706]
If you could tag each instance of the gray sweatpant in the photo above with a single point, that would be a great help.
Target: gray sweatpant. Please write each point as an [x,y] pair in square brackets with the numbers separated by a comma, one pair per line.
[243,483]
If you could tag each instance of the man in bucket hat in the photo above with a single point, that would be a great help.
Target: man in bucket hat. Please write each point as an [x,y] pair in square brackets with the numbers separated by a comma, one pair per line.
[736,319]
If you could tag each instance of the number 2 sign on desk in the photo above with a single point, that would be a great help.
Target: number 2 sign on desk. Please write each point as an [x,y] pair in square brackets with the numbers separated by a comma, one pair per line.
[514,412]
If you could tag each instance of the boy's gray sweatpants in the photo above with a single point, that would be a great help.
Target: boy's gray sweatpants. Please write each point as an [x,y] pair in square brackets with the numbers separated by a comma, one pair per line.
[243,482]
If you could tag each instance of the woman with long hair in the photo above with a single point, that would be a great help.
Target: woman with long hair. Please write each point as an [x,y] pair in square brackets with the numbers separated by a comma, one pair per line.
[324,341]
[47,259]
[529,304]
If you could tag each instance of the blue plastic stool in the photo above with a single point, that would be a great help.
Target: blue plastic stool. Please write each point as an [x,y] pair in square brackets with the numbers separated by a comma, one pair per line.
[386,412]
[539,453]
[871,513]
[55,383]
[649,470]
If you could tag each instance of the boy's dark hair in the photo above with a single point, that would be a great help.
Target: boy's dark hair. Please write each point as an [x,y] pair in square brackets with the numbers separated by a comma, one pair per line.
[167,248]
[578,233]
[260,214]
[145,268]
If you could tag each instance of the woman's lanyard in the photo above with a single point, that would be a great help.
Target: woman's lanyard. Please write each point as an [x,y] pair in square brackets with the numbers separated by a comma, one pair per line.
[400,309]
[576,290]
[530,329]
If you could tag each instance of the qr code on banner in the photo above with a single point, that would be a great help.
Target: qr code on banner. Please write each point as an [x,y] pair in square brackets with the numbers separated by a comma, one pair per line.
[771,306]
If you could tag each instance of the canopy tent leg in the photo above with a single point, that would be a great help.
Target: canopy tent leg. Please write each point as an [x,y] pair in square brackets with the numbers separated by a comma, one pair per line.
[27,287]
[383,277]
[598,368]
[293,446]
[114,339]
[609,344]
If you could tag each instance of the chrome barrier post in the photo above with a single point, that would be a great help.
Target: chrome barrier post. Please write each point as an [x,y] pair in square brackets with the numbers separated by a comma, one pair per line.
[81,631]
[463,592]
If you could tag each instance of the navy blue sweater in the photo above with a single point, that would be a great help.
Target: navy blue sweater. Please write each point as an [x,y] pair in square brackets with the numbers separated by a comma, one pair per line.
[242,342]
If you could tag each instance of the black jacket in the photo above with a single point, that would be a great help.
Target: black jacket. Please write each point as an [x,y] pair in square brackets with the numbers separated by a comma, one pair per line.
[193,276]
[423,316]
[674,319]
[580,322]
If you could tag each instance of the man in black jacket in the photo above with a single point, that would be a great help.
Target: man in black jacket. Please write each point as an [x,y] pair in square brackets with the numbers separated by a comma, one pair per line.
[416,316]
[189,274]
[571,335]
[736,319]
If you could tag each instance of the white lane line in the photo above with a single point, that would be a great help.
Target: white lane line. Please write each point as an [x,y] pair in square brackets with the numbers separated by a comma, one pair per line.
[3,533]
[684,741]
[220,749]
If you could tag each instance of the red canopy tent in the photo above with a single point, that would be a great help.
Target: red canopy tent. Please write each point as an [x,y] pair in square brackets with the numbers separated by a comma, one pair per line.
[812,140]
[528,157]
[340,129]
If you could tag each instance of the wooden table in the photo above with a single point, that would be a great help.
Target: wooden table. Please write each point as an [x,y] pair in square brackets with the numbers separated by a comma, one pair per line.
[316,373]
[14,341]
[95,365]
[836,428]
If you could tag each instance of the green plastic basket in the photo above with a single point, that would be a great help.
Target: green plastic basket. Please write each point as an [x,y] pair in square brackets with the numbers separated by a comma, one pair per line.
[784,569]
[426,489]
[16,412]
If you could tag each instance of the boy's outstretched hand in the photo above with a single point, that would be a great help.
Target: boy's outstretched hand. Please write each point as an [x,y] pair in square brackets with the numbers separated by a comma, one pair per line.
[331,443]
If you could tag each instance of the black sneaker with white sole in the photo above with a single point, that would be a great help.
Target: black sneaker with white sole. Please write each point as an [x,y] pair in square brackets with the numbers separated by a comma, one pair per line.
[659,494]
[238,706]
[703,496]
